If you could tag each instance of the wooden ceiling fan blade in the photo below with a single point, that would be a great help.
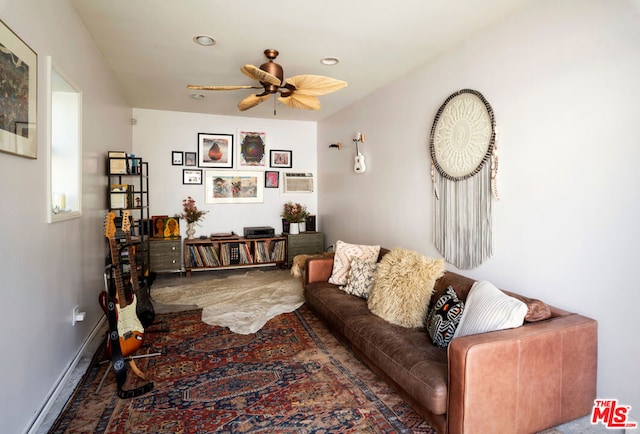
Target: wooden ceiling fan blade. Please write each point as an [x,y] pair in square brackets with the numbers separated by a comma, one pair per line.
[196,87]
[252,101]
[300,101]
[260,75]
[315,84]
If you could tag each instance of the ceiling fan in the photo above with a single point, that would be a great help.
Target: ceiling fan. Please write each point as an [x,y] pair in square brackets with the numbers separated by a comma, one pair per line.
[300,91]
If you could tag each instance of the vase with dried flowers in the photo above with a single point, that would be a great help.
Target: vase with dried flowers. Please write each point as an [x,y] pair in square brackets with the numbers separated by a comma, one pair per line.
[191,214]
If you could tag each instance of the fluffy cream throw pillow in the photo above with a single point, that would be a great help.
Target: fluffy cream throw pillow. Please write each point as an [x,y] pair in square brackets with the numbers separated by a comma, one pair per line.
[403,287]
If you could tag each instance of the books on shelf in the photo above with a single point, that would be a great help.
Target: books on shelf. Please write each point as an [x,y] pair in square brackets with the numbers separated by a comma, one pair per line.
[234,252]
[203,255]
[270,251]
[279,251]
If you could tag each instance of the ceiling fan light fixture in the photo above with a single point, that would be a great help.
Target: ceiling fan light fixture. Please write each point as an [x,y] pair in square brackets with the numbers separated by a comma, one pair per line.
[299,91]
[329,60]
[204,40]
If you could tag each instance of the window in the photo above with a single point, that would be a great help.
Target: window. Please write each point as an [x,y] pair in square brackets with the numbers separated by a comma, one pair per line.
[65,150]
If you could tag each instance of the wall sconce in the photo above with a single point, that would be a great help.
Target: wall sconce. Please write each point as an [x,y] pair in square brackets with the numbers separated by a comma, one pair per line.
[359,166]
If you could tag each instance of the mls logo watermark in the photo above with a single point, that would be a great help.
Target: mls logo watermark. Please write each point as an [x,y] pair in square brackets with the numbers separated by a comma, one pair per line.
[611,414]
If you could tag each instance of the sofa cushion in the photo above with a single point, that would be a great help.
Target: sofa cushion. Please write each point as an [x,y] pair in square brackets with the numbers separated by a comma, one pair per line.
[488,309]
[345,252]
[444,317]
[333,305]
[403,286]
[360,278]
[536,310]
[404,356]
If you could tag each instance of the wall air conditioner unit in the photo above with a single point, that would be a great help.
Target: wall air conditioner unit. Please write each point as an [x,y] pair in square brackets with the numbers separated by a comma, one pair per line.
[298,182]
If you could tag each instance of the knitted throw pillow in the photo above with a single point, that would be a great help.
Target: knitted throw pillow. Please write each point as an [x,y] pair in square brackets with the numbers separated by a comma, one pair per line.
[488,309]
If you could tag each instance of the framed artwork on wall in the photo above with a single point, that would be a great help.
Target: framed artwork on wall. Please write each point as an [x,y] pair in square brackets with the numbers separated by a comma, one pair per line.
[171,227]
[253,151]
[176,158]
[18,111]
[190,158]
[215,150]
[233,187]
[280,158]
[192,176]
[271,179]
[158,226]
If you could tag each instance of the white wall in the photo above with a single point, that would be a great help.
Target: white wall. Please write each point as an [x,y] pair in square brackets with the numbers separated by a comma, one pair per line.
[562,78]
[47,269]
[158,133]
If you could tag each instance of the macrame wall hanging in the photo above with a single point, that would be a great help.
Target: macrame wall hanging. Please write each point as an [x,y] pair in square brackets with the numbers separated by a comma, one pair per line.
[464,164]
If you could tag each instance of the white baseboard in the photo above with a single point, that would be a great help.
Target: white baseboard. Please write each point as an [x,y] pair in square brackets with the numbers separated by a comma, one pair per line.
[60,385]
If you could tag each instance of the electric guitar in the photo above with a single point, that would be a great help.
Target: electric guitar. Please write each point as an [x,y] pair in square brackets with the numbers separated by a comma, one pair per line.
[129,327]
[144,307]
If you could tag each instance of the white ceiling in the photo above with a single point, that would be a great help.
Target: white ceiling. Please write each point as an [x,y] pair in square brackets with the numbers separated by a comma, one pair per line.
[149,45]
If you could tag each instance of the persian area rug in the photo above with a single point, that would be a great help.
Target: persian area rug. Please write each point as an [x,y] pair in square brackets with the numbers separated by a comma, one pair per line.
[293,376]
[242,302]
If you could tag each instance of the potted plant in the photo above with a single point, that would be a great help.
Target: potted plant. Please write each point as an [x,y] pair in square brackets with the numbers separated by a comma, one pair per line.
[294,213]
[191,214]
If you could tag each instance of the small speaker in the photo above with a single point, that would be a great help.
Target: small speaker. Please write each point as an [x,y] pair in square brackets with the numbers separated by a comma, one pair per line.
[310,223]
[146,227]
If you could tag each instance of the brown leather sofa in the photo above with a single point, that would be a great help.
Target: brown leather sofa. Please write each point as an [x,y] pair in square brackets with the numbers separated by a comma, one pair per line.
[520,380]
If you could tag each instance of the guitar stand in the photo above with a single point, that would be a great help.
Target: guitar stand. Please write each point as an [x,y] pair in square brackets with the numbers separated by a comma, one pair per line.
[134,368]
[117,362]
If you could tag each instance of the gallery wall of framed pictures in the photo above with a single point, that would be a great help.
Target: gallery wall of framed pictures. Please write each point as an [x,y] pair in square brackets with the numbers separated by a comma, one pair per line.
[289,146]
[230,166]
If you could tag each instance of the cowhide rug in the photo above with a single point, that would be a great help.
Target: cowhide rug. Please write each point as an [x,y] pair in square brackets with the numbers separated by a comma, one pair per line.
[242,302]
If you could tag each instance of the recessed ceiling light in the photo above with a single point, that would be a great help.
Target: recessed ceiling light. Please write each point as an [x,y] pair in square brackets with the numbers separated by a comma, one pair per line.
[197,96]
[329,60]
[204,40]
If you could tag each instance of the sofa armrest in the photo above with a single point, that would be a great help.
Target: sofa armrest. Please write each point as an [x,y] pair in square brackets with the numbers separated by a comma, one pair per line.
[318,269]
[525,379]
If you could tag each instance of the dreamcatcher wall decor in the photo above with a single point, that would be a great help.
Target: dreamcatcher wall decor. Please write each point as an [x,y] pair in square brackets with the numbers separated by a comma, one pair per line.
[464,164]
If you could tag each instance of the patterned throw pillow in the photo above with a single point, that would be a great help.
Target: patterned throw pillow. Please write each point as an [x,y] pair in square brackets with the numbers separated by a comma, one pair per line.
[345,252]
[360,278]
[488,309]
[444,318]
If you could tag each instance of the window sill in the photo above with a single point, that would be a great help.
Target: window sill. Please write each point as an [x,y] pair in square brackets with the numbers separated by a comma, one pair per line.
[64,216]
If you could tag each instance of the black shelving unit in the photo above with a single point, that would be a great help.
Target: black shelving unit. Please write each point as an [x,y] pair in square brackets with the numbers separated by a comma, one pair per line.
[128,189]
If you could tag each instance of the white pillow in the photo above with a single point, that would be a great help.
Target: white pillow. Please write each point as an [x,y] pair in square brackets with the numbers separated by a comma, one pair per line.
[361,278]
[345,252]
[488,309]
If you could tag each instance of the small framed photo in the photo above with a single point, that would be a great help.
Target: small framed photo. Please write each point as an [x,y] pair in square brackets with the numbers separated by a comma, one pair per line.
[280,158]
[190,159]
[171,227]
[271,179]
[158,226]
[215,150]
[192,176]
[176,158]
